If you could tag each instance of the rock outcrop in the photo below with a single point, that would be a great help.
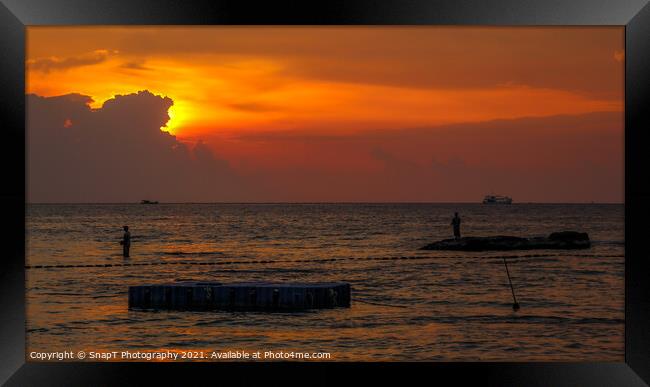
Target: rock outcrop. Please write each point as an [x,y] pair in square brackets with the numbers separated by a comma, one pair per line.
[558,240]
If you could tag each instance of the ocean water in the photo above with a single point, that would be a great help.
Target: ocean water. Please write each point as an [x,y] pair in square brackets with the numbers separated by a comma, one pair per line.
[407,304]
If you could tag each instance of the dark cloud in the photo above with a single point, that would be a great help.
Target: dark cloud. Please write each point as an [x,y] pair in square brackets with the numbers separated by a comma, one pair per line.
[425,57]
[117,153]
[252,106]
[575,59]
[135,65]
[54,63]
[453,179]
[392,162]
[294,136]
[564,158]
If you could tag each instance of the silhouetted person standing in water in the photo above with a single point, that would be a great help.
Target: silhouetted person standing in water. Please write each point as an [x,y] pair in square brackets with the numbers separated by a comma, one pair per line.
[126,242]
[455,222]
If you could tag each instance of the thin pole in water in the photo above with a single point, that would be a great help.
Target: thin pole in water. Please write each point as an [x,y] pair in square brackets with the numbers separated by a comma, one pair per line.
[515,305]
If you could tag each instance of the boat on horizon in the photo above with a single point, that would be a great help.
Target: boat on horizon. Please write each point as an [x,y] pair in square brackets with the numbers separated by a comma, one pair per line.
[149,202]
[497,199]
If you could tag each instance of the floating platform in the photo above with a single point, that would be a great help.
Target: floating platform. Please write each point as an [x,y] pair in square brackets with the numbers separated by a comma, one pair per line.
[240,296]
[569,240]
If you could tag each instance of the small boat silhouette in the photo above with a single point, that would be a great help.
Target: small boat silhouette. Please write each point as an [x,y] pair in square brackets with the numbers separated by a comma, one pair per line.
[497,199]
[148,202]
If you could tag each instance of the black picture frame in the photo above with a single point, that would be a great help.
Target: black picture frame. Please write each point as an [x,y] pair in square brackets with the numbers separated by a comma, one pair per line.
[15,15]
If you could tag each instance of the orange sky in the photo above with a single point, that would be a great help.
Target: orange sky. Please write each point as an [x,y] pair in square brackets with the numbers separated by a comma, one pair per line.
[276,97]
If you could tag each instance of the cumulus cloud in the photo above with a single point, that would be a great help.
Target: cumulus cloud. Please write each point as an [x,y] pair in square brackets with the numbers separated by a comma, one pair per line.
[117,153]
[55,63]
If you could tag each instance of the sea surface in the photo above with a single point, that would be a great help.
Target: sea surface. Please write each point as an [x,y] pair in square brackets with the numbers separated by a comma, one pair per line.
[407,304]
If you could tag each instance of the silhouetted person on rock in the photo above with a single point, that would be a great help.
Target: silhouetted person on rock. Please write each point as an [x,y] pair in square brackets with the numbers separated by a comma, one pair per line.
[126,242]
[455,222]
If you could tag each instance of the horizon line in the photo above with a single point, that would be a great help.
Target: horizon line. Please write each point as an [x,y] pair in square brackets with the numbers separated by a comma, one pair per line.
[324,202]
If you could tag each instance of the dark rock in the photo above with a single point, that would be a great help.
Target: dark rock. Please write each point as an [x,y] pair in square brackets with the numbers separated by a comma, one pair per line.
[557,240]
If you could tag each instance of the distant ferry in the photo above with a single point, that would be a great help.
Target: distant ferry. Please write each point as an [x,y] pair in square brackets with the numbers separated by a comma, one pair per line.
[148,202]
[497,199]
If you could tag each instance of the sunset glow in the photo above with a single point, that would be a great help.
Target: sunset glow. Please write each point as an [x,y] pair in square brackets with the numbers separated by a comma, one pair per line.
[250,93]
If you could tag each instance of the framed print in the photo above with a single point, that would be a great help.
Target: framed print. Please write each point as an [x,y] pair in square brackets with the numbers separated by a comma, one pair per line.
[260,190]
